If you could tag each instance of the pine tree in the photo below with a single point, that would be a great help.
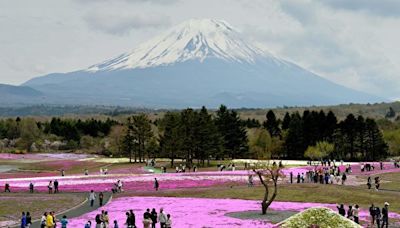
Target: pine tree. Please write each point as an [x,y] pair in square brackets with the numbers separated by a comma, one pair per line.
[170,140]
[142,133]
[233,133]
[375,144]
[210,141]
[286,121]
[294,141]
[272,124]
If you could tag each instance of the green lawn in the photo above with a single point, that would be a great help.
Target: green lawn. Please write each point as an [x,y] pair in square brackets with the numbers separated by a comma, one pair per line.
[389,181]
[12,204]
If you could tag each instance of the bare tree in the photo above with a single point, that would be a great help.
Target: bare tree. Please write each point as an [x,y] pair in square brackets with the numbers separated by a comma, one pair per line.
[269,176]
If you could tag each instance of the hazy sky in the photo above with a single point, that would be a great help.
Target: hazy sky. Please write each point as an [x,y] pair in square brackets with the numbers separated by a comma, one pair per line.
[354,43]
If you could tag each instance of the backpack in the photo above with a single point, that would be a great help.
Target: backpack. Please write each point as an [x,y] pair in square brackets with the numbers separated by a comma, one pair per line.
[98,220]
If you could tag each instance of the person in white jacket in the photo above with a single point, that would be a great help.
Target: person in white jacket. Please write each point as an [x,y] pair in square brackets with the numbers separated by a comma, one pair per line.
[92,197]
[162,218]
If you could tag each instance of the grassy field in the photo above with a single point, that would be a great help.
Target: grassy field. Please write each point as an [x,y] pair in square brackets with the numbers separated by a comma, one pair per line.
[389,181]
[12,204]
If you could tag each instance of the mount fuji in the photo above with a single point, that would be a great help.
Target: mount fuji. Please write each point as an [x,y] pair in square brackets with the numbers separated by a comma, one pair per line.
[199,62]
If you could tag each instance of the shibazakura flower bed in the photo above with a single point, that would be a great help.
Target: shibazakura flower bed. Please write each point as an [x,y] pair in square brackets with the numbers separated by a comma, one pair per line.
[198,212]
[81,183]
[321,216]
[130,182]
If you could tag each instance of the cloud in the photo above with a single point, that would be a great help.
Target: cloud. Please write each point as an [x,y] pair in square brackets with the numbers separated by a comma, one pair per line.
[122,23]
[384,8]
[161,2]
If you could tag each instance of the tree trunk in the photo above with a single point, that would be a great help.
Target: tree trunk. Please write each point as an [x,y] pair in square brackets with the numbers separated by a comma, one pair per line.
[267,202]
[172,161]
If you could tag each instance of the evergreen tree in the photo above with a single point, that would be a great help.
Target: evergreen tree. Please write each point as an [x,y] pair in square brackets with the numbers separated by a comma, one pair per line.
[286,121]
[233,133]
[272,124]
[142,133]
[375,144]
[294,141]
[170,140]
[128,142]
[189,128]
[210,141]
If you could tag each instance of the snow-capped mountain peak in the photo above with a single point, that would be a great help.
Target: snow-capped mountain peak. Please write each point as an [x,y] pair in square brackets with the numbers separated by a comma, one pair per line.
[193,39]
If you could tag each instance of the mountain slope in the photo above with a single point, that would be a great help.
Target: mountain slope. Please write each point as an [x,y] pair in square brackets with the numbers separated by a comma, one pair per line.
[10,94]
[199,62]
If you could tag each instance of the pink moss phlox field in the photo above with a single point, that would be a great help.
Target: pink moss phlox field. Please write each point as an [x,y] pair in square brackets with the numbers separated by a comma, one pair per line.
[132,181]
[80,183]
[41,156]
[199,212]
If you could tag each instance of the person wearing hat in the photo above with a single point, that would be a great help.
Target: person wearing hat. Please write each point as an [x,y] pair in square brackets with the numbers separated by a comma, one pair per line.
[385,215]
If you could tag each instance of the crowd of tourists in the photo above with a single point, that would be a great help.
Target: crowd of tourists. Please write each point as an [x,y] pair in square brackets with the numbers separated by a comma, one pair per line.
[328,173]
[150,219]
[379,218]
[49,220]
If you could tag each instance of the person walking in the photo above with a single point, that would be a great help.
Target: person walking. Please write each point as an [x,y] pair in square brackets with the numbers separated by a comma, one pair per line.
[372,212]
[153,216]
[378,217]
[156,184]
[7,187]
[23,220]
[28,220]
[128,220]
[385,215]
[56,186]
[355,214]
[116,224]
[43,220]
[92,197]
[132,218]
[369,182]
[377,183]
[146,221]
[106,220]
[53,215]
[101,197]
[250,181]
[344,178]
[168,224]
[50,187]
[64,222]
[88,224]
[350,212]
[341,210]
[31,187]
[291,177]
[49,221]
[162,218]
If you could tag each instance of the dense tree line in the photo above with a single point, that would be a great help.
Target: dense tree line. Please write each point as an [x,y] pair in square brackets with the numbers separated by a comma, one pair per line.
[27,131]
[353,138]
[192,135]
[71,129]
[199,135]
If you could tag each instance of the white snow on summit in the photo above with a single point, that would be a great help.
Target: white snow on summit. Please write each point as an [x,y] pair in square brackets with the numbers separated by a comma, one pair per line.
[190,40]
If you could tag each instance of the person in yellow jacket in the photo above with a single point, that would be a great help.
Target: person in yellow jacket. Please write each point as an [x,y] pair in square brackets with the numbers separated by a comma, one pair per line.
[49,221]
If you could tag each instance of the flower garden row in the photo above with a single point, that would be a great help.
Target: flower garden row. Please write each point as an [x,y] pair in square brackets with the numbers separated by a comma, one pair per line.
[201,212]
